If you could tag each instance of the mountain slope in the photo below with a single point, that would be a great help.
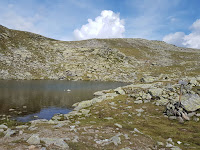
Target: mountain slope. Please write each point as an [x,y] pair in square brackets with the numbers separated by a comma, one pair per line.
[25,55]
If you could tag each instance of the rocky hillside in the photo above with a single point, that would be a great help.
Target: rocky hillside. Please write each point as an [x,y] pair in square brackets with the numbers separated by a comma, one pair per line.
[25,55]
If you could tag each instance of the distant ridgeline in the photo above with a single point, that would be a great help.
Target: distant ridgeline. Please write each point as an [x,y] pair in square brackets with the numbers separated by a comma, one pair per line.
[25,55]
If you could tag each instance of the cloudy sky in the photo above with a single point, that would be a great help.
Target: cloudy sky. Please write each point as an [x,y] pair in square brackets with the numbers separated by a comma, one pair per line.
[174,21]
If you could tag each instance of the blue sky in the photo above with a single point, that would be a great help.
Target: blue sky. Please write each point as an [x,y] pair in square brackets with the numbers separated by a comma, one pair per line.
[174,21]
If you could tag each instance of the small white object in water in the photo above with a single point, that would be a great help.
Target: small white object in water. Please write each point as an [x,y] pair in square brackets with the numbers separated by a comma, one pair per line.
[68,90]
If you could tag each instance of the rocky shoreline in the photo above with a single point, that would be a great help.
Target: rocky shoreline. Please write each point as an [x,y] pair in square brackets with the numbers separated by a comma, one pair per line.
[114,118]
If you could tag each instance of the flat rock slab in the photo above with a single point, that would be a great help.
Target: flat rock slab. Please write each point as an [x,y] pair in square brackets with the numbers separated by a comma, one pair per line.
[191,102]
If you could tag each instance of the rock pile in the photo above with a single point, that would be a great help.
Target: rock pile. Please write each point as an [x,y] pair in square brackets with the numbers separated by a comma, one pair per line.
[176,111]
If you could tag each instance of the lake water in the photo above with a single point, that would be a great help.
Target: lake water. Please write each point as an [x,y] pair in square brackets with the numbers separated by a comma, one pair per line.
[29,100]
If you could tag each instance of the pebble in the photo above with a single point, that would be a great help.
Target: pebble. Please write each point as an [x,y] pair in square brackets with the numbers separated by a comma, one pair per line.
[108,118]
[126,148]
[126,136]
[24,107]
[138,102]
[112,103]
[139,110]
[21,127]
[179,142]
[160,143]
[11,109]
[92,121]
[118,125]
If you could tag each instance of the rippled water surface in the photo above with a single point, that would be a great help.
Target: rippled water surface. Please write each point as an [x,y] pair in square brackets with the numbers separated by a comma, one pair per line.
[28,100]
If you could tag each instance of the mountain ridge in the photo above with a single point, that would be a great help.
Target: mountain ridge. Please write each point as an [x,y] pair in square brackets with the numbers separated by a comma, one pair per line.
[25,55]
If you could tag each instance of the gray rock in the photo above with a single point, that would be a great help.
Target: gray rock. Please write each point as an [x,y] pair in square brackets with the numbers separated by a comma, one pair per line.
[9,132]
[196,119]
[172,117]
[148,96]
[191,102]
[156,92]
[34,139]
[108,118]
[139,110]
[146,101]
[198,114]
[160,143]
[119,90]
[99,93]
[147,79]
[194,82]
[136,131]
[59,125]
[55,141]
[180,119]
[175,148]
[118,125]
[126,148]
[162,102]
[116,140]
[185,116]
[75,140]
[85,111]
[1,130]
[138,102]
[191,114]
[21,127]
[2,126]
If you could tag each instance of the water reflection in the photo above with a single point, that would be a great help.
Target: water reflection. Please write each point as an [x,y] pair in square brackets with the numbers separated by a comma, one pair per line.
[46,96]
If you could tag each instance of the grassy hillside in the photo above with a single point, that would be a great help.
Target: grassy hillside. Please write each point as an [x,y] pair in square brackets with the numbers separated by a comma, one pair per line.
[25,55]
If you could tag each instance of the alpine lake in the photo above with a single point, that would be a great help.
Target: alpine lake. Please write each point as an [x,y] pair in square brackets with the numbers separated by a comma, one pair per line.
[26,100]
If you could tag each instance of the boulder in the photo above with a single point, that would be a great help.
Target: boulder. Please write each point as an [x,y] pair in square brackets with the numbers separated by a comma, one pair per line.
[85,111]
[162,102]
[191,102]
[9,132]
[116,140]
[55,141]
[34,139]
[2,126]
[193,82]
[156,92]
[120,91]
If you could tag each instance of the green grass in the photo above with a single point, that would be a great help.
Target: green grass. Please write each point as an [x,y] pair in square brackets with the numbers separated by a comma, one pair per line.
[153,123]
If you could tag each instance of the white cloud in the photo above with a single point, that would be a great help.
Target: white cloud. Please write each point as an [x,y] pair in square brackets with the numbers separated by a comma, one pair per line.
[107,25]
[175,38]
[191,40]
[13,20]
